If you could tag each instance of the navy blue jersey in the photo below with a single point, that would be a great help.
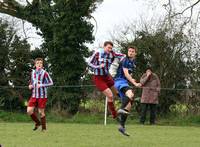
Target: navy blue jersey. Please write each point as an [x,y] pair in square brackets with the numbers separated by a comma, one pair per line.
[125,63]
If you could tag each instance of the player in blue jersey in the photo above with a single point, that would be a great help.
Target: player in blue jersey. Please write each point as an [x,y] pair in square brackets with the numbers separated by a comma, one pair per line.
[122,80]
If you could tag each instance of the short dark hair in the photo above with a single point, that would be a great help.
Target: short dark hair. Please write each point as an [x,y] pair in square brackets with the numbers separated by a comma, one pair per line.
[39,59]
[108,42]
[133,47]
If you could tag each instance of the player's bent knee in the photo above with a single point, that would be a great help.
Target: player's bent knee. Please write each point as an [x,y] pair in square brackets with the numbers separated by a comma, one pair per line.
[29,112]
[42,114]
[130,94]
[110,96]
[108,93]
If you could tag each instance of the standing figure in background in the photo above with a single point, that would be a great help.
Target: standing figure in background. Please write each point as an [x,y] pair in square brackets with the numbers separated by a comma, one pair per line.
[39,82]
[150,92]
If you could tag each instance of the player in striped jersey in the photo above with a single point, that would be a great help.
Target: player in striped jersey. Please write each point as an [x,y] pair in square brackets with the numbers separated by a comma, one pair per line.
[39,82]
[100,62]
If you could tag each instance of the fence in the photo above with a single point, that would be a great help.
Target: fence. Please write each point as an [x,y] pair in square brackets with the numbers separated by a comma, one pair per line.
[174,100]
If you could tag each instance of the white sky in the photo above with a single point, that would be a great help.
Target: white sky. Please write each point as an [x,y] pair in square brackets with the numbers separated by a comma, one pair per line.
[113,13]
[109,15]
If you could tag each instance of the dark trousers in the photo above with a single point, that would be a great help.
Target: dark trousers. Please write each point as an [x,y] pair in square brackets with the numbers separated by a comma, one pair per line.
[144,108]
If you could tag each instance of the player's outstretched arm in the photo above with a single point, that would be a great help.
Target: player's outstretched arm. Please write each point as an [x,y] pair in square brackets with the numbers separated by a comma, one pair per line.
[92,60]
[129,77]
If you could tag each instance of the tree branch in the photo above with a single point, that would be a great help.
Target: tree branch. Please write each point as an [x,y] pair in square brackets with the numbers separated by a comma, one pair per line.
[11,7]
[189,7]
[24,29]
[28,2]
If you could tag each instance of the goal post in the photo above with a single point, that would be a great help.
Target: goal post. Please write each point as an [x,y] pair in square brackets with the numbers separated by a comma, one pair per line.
[106,109]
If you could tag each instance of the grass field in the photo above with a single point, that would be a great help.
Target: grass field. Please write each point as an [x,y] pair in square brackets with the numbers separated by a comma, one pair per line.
[96,135]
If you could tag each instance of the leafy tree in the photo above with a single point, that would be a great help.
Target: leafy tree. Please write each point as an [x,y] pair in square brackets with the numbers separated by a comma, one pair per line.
[165,53]
[19,71]
[5,38]
[15,67]
[65,28]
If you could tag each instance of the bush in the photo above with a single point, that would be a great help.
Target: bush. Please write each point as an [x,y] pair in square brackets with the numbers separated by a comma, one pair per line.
[180,109]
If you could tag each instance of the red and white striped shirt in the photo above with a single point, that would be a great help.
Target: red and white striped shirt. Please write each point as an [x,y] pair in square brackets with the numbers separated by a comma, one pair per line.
[101,57]
[40,77]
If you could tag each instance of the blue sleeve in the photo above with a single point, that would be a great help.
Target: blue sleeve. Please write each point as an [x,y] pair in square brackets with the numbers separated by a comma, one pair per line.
[125,63]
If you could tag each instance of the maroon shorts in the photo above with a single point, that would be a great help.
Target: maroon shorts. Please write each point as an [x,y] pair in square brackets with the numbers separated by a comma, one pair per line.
[37,102]
[102,82]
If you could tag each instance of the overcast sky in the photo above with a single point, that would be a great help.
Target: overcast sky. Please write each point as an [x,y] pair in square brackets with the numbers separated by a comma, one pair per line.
[113,13]
[109,15]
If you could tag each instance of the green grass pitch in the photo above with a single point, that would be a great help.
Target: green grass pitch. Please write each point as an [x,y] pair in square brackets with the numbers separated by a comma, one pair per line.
[96,135]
